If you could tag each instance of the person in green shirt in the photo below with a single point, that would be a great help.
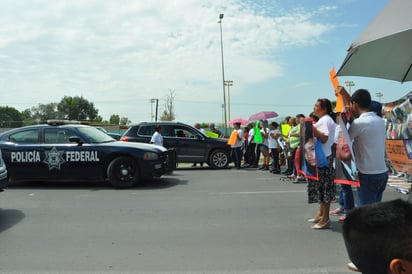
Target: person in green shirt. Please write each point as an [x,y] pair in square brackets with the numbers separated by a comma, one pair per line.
[294,141]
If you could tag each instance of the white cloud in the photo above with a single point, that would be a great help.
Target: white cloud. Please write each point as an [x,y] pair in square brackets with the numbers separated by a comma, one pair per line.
[119,54]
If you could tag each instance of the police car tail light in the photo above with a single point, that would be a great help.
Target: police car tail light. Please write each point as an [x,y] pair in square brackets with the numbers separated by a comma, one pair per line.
[124,139]
[151,156]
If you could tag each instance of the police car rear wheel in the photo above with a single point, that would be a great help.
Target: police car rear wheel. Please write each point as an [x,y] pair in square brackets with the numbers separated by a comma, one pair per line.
[123,172]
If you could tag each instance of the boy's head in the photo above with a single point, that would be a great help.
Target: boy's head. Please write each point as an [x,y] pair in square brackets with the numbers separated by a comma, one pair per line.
[378,237]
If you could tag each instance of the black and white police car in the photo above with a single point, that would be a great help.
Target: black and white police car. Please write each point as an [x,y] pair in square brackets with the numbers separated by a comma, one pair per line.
[3,173]
[65,150]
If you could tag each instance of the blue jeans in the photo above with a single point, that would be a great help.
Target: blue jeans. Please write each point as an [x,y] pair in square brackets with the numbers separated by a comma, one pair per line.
[346,200]
[236,156]
[371,188]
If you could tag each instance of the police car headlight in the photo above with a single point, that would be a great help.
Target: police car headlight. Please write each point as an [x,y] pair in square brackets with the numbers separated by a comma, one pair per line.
[151,156]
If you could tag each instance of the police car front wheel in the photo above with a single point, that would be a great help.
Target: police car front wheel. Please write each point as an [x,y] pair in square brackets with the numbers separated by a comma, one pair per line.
[123,172]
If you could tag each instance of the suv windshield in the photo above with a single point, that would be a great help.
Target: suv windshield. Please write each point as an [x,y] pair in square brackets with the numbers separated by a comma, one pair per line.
[95,136]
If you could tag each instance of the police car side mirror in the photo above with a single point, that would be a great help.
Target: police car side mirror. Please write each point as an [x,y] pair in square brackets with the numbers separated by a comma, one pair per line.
[75,139]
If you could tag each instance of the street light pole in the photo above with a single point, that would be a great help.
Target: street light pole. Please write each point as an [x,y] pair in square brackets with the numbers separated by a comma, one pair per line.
[228,83]
[223,73]
[151,110]
[379,95]
[350,84]
[156,101]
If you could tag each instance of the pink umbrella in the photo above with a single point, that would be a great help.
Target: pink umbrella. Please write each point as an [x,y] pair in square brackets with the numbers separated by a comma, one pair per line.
[238,120]
[263,115]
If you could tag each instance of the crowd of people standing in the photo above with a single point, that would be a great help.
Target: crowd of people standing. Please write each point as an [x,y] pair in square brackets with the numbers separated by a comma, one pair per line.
[371,219]
[367,133]
[261,145]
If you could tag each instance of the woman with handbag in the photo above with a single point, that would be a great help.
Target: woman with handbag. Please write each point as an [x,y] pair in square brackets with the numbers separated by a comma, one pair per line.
[323,191]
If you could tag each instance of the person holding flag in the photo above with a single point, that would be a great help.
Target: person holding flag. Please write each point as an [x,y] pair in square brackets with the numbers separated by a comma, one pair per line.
[236,142]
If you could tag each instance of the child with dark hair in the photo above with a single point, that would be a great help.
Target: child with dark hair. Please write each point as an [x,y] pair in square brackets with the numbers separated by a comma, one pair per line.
[378,238]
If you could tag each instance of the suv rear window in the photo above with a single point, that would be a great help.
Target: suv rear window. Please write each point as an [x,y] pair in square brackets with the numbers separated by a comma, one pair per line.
[146,130]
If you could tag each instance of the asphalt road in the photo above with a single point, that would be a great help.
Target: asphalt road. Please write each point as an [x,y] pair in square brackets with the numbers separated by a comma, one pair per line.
[193,221]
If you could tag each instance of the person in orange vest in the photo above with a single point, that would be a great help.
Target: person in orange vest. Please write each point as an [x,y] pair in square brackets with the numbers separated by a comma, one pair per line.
[236,142]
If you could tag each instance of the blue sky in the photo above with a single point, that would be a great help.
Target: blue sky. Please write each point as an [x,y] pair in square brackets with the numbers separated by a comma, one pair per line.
[120,54]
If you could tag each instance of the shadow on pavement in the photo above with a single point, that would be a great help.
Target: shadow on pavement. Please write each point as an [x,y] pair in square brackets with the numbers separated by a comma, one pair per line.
[155,183]
[9,218]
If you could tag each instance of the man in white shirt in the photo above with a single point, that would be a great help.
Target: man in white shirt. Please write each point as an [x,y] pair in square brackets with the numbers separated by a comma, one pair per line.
[369,135]
[157,138]
[274,134]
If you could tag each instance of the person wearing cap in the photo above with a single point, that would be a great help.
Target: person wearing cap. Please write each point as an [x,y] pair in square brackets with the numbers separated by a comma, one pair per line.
[378,238]
[369,135]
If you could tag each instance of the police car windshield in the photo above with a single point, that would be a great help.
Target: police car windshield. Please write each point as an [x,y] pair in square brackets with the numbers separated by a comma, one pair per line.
[95,136]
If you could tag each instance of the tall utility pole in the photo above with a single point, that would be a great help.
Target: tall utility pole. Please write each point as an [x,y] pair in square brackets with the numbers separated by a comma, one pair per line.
[350,84]
[223,73]
[228,83]
[151,109]
[152,101]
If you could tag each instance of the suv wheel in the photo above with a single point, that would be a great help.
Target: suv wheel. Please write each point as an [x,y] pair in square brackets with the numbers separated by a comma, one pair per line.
[219,159]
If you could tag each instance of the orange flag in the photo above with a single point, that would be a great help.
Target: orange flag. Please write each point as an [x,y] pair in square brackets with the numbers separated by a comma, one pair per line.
[335,84]
[232,138]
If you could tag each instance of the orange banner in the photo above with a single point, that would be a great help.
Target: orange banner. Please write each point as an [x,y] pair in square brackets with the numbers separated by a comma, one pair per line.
[335,84]
[400,154]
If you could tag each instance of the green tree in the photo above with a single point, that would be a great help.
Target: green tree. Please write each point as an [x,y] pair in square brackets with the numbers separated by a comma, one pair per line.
[26,117]
[77,108]
[168,112]
[10,117]
[43,112]
[99,119]
[114,119]
[124,121]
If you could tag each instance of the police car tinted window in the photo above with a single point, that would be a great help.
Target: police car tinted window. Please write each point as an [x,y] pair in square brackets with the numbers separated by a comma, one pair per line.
[94,135]
[57,136]
[25,137]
